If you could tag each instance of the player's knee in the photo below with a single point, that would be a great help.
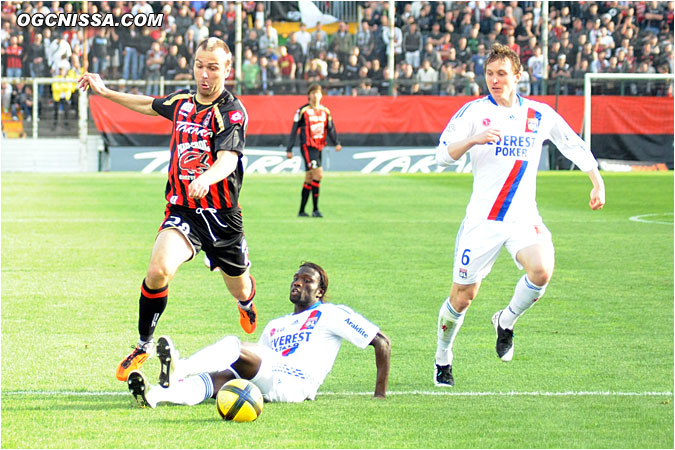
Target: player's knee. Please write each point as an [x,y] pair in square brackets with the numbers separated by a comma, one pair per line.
[219,379]
[462,299]
[462,303]
[157,277]
[248,364]
[540,275]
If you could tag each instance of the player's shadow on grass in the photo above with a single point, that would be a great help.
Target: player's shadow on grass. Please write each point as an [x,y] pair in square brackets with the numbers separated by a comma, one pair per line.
[180,422]
[98,403]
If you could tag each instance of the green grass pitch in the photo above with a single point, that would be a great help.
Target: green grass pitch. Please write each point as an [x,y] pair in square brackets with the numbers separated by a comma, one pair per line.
[593,365]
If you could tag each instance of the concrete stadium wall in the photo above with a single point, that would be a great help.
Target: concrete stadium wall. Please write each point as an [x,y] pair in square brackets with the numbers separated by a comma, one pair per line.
[49,155]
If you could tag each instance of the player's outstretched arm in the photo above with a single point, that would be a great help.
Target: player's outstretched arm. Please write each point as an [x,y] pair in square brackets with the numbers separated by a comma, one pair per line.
[138,103]
[382,360]
[598,192]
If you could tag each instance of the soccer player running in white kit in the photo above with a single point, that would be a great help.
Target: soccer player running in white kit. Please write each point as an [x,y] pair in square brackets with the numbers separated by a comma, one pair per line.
[289,363]
[504,134]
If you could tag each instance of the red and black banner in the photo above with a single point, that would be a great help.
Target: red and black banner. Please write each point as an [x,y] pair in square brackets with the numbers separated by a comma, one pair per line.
[633,128]
[630,128]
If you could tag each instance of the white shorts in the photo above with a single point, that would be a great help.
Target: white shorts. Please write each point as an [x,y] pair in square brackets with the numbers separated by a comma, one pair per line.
[279,382]
[479,242]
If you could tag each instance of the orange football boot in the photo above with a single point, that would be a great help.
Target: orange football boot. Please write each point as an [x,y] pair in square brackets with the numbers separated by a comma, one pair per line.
[249,319]
[134,361]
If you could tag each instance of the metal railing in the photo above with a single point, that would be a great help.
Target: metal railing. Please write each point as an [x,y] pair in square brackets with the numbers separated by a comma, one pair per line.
[44,105]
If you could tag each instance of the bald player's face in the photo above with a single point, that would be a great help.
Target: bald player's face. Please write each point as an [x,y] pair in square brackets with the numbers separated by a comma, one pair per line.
[211,69]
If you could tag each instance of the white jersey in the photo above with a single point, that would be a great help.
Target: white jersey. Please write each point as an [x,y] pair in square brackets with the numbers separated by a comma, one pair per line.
[308,343]
[505,172]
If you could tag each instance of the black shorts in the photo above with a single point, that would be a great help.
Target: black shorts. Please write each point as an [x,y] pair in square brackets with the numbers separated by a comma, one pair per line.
[220,234]
[311,156]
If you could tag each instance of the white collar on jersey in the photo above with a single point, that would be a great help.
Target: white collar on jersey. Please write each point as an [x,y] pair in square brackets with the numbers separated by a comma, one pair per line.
[494,102]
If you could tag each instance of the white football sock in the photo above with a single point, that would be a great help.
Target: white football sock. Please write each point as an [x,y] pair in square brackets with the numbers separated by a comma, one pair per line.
[214,358]
[524,297]
[449,323]
[188,391]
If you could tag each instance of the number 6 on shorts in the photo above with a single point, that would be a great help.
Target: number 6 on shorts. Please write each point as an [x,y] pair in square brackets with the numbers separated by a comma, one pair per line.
[465,257]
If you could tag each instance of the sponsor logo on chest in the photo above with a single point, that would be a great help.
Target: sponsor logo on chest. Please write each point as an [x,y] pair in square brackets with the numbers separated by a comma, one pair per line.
[186,109]
[193,129]
[513,146]
[199,145]
[316,116]
[289,343]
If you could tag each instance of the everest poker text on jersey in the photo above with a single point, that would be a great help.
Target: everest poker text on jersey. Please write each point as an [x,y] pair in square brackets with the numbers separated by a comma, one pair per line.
[515,146]
[293,340]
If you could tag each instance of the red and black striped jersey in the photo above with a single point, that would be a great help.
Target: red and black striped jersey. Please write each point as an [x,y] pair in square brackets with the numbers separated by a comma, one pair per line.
[315,125]
[199,133]
[14,56]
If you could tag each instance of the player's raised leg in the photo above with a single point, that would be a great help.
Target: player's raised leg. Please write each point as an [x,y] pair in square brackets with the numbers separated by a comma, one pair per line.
[243,289]
[538,261]
[230,255]
[138,386]
[195,389]
[168,359]
[214,358]
[169,252]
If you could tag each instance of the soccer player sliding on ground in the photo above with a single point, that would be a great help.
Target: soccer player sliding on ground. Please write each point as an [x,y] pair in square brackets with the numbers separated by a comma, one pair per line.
[289,363]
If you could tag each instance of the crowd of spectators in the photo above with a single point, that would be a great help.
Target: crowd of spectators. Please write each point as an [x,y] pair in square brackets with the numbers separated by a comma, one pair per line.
[439,47]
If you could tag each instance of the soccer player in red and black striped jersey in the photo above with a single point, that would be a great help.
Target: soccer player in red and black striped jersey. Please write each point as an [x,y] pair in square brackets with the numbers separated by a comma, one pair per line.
[315,124]
[202,191]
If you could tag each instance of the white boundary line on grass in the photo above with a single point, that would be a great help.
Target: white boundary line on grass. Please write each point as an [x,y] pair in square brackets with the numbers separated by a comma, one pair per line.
[643,218]
[513,394]
[423,393]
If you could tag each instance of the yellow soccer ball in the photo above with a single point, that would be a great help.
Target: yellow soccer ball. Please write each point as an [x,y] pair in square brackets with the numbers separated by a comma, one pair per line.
[239,400]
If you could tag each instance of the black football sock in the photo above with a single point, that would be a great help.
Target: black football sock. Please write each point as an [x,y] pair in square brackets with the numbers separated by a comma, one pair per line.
[306,189]
[315,194]
[151,305]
